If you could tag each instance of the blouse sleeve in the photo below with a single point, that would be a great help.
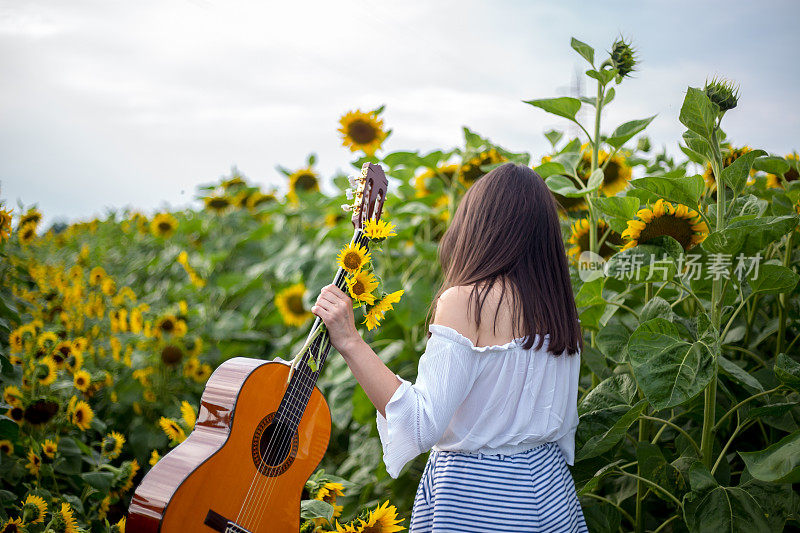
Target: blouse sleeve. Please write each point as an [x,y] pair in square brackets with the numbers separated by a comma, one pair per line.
[418,414]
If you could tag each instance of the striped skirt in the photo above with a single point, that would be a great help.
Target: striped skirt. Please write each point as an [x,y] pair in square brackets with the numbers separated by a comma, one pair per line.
[531,491]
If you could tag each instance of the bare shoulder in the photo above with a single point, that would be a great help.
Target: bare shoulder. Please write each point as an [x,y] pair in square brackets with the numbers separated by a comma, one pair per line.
[451,311]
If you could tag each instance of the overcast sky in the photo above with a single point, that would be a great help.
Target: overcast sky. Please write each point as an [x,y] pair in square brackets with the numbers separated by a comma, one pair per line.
[113,103]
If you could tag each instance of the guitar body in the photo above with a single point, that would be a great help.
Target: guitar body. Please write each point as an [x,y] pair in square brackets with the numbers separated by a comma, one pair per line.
[203,483]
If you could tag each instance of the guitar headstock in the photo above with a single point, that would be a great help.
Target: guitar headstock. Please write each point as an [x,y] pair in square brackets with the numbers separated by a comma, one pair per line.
[369,194]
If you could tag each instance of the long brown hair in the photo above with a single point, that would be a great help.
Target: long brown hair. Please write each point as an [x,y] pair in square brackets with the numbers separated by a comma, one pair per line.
[506,228]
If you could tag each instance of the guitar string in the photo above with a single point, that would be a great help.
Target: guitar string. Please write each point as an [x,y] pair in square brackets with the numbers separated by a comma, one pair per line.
[294,409]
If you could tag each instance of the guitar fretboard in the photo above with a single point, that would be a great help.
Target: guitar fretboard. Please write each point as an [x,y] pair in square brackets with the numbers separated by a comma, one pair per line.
[302,383]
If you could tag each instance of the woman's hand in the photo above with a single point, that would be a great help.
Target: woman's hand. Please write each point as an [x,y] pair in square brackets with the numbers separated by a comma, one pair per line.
[335,308]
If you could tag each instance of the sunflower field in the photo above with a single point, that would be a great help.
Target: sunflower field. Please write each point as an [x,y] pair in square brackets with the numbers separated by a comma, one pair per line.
[685,276]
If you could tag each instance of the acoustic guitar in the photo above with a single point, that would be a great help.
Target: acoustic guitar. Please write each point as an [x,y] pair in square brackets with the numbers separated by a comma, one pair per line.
[261,431]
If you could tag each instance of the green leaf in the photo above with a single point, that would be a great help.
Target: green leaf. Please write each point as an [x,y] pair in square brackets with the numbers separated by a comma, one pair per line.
[739,374]
[774,279]
[642,263]
[654,467]
[788,371]
[613,342]
[618,390]
[750,236]
[596,179]
[684,190]
[310,509]
[724,510]
[599,444]
[698,113]
[8,428]
[551,168]
[657,307]
[563,106]
[610,94]
[586,51]
[565,187]
[98,480]
[772,164]
[553,136]
[735,175]
[669,370]
[604,76]
[625,132]
[618,210]
[778,463]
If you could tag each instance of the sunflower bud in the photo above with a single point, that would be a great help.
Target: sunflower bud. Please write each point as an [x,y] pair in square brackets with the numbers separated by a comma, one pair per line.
[724,93]
[623,58]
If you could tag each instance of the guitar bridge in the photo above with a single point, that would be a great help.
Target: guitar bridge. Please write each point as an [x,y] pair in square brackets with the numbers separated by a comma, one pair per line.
[217,522]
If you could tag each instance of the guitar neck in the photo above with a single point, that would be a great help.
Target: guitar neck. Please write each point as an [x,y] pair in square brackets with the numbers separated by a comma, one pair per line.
[303,380]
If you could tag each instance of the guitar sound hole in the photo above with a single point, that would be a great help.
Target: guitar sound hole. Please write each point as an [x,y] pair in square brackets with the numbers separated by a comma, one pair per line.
[276,442]
[274,446]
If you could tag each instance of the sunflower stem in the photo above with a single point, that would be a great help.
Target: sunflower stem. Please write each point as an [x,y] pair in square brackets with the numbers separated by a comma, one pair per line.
[316,333]
[782,299]
[717,293]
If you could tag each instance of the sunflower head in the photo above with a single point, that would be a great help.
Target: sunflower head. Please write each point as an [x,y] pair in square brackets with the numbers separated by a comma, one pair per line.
[353,257]
[731,155]
[13,525]
[163,225]
[26,233]
[172,429]
[360,286]
[12,396]
[579,239]
[302,180]
[677,221]
[82,415]
[41,411]
[722,92]
[33,509]
[422,182]
[382,519]
[154,457]
[362,131]
[33,216]
[471,170]
[188,415]
[5,224]
[49,448]
[111,446]
[34,463]
[378,230]
[623,58]
[46,370]
[290,305]
[6,447]
[171,355]
[217,203]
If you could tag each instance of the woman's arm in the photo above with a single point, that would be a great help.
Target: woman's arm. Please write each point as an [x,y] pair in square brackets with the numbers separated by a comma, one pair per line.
[335,308]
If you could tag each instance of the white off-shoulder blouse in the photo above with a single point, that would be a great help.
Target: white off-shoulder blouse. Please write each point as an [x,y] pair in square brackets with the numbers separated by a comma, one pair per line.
[499,399]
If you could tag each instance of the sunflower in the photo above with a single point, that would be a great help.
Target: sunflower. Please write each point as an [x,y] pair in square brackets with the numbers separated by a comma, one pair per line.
[96,276]
[383,519]
[328,493]
[579,239]
[108,286]
[171,428]
[258,198]
[41,411]
[679,222]
[375,313]
[13,525]
[471,171]
[353,257]
[62,352]
[188,414]
[731,155]
[82,415]
[616,174]
[33,216]
[378,230]
[163,225]
[75,361]
[360,286]
[290,305]
[6,447]
[82,379]
[362,131]
[305,180]
[217,204]
[12,396]
[111,446]
[154,457]
[171,355]
[5,224]
[49,448]
[33,509]
[170,325]
[64,520]
[26,233]
[132,467]
[422,181]
[202,373]
[46,371]
[34,462]
[15,341]
[792,174]
[119,527]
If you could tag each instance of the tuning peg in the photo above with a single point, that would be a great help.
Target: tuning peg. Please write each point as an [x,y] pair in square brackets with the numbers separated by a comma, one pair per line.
[349,193]
[352,180]
[347,207]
